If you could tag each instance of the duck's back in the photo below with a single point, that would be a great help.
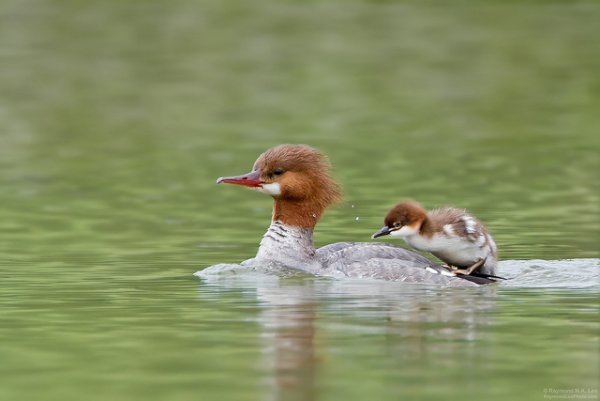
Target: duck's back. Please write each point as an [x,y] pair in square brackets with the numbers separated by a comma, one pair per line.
[386,262]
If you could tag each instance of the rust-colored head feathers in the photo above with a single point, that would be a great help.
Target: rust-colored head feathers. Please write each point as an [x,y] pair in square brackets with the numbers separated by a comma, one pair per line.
[405,214]
[298,178]
[302,172]
[404,219]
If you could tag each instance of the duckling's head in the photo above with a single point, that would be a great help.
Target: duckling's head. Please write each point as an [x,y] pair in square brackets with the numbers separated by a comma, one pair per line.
[403,220]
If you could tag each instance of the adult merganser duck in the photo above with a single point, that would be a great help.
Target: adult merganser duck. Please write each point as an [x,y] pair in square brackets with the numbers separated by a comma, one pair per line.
[298,178]
[451,234]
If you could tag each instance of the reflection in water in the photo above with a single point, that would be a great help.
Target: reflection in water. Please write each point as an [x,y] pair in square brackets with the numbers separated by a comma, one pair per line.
[288,322]
[321,334]
[297,314]
[314,327]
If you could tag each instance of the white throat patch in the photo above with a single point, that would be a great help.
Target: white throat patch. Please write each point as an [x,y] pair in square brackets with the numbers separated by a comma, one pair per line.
[405,231]
[273,189]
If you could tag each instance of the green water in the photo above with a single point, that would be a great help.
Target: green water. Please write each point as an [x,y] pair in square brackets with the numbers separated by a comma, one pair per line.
[117,117]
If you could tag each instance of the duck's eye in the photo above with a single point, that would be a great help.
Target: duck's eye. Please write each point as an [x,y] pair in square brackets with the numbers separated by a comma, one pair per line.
[396,224]
[278,171]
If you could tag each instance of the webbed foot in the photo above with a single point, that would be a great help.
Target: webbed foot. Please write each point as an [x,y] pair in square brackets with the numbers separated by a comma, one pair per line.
[469,269]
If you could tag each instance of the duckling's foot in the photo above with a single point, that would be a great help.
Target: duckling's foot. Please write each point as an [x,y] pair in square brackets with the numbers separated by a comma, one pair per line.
[450,268]
[471,268]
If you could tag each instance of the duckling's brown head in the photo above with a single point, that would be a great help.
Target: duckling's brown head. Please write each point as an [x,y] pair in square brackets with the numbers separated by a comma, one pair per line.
[403,220]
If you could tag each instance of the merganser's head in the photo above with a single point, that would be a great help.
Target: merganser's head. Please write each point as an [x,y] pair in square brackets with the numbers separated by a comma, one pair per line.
[294,175]
[403,220]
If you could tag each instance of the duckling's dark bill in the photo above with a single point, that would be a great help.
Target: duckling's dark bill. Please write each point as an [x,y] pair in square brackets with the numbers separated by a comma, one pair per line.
[384,231]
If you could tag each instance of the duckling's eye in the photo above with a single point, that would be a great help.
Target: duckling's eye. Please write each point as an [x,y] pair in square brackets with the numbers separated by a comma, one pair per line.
[396,224]
[278,171]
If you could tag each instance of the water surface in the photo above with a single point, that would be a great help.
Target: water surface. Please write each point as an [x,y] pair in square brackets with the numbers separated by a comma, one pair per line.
[117,117]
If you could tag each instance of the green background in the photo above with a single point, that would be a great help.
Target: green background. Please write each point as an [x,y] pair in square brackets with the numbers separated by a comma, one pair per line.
[117,117]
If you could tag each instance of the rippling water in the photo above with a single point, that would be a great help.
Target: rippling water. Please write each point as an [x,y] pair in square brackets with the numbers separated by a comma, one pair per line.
[116,118]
